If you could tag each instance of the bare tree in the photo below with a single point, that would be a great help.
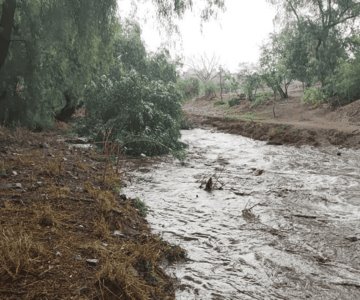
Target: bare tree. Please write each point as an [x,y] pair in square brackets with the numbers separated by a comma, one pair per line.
[205,68]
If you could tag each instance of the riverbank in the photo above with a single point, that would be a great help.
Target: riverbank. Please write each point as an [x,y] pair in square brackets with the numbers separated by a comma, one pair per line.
[66,233]
[295,123]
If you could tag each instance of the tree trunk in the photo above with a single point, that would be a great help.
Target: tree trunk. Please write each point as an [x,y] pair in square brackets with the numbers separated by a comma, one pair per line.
[274,103]
[6,25]
[68,110]
[281,92]
[221,86]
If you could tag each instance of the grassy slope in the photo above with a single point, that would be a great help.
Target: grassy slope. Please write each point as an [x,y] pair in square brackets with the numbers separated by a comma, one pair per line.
[59,207]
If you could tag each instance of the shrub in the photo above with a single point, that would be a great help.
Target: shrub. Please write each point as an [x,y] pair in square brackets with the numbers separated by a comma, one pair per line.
[250,85]
[210,89]
[189,88]
[141,115]
[314,96]
[140,206]
[218,103]
[346,82]
[234,101]
[260,99]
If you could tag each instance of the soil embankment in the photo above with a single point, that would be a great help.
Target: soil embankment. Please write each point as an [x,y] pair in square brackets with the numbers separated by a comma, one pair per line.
[66,233]
[294,123]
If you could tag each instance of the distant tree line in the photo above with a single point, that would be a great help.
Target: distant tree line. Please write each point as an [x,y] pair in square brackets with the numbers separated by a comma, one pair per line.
[318,44]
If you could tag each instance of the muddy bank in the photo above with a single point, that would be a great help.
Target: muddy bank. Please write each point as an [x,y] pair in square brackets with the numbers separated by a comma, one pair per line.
[66,233]
[287,121]
[279,134]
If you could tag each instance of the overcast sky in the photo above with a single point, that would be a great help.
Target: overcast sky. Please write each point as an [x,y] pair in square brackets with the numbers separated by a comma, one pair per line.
[235,36]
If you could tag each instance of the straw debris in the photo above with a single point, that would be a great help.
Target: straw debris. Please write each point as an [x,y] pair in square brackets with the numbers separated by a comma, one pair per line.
[63,217]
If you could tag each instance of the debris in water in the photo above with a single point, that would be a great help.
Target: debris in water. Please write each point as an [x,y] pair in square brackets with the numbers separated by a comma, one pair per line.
[352,239]
[209,185]
[258,172]
[248,215]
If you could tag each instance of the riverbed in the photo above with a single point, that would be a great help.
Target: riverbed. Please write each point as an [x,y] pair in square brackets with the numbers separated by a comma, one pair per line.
[279,222]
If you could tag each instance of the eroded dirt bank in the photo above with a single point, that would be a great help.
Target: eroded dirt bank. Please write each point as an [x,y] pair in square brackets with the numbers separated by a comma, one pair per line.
[65,232]
[294,124]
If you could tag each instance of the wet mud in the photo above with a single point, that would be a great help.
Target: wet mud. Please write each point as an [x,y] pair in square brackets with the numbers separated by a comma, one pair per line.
[280,222]
[281,133]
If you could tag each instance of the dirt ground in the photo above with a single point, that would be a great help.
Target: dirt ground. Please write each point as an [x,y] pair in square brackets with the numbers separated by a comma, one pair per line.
[294,123]
[65,231]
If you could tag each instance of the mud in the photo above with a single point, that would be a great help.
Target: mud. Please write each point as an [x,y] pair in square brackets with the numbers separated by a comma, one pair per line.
[283,225]
[280,133]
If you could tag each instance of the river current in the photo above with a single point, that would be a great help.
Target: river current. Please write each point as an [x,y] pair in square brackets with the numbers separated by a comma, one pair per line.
[280,222]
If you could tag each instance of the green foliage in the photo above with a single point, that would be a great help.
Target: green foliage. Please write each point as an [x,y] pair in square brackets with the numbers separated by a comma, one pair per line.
[135,105]
[140,206]
[250,84]
[210,89]
[346,81]
[274,71]
[59,46]
[261,98]
[189,87]
[141,114]
[316,37]
[234,101]
[250,116]
[219,103]
[314,96]
[231,84]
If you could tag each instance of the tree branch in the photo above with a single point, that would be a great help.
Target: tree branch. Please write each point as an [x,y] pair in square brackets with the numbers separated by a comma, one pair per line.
[292,8]
[321,9]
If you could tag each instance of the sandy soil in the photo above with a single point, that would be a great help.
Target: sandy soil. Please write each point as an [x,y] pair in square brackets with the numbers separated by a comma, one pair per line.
[294,122]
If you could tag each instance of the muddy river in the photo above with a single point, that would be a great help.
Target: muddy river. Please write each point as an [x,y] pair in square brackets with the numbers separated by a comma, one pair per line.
[280,222]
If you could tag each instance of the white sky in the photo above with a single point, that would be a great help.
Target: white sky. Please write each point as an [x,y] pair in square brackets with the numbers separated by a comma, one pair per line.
[235,36]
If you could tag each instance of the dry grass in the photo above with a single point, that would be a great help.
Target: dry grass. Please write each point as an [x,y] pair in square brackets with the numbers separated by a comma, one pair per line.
[106,201]
[120,281]
[65,213]
[101,228]
[45,215]
[19,254]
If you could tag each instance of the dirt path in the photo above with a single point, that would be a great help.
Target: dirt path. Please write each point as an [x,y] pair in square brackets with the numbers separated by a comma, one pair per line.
[295,123]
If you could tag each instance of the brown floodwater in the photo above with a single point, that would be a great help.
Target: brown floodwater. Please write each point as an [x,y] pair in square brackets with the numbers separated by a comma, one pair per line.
[284,225]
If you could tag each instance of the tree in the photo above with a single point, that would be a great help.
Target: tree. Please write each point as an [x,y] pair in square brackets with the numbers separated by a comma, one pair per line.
[204,67]
[250,81]
[138,107]
[57,47]
[293,51]
[221,81]
[274,71]
[6,26]
[189,87]
[324,22]
[51,49]
[345,83]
